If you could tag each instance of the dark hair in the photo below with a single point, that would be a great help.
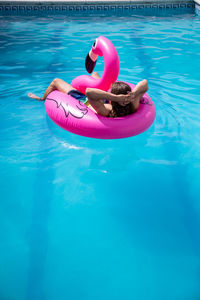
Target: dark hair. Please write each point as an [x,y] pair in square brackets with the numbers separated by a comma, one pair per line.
[120,87]
[118,110]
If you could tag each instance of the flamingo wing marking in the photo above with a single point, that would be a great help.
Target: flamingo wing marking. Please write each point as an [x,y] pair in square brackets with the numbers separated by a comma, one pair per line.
[78,114]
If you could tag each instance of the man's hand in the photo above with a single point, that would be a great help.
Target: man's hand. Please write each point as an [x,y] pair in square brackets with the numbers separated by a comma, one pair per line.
[126,99]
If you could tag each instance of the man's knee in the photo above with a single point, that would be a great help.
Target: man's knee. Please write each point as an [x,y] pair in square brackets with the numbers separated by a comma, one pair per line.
[145,84]
[95,75]
[55,82]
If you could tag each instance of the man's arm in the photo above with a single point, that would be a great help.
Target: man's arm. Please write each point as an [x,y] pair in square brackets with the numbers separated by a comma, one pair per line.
[96,94]
[97,99]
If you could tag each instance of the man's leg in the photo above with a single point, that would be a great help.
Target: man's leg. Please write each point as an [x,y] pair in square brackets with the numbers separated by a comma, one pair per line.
[56,84]
[95,75]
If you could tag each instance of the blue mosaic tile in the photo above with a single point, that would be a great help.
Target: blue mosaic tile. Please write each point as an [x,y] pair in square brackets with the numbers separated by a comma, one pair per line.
[183,5]
[148,6]
[190,5]
[93,7]
[133,7]
[168,6]
[141,6]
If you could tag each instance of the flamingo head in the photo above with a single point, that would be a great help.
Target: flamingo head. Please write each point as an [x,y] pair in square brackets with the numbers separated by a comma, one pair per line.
[101,47]
[96,51]
[91,58]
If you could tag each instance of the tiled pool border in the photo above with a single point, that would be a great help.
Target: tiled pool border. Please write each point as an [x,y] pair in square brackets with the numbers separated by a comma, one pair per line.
[92,5]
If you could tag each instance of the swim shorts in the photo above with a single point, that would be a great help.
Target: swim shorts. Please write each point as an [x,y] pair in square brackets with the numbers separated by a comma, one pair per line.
[77,95]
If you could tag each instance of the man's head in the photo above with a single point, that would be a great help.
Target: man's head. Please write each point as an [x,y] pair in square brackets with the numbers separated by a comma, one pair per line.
[119,88]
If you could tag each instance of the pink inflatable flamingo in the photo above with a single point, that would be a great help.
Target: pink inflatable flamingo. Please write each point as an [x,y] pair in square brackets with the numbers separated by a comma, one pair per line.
[76,117]
[101,47]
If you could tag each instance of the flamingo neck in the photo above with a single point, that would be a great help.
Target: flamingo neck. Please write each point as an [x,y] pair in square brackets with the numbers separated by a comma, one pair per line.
[111,61]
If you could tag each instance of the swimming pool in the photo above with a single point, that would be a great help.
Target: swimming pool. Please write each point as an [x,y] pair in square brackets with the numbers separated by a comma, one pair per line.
[100,219]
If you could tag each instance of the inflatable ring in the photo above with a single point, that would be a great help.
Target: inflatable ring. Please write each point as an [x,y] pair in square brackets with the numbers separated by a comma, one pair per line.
[76,117]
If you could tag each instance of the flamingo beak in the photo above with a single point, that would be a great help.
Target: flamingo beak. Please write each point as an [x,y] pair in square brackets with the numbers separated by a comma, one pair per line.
[90,61]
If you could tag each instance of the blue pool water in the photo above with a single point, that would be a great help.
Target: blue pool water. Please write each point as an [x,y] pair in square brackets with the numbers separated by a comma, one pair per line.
[100,219]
